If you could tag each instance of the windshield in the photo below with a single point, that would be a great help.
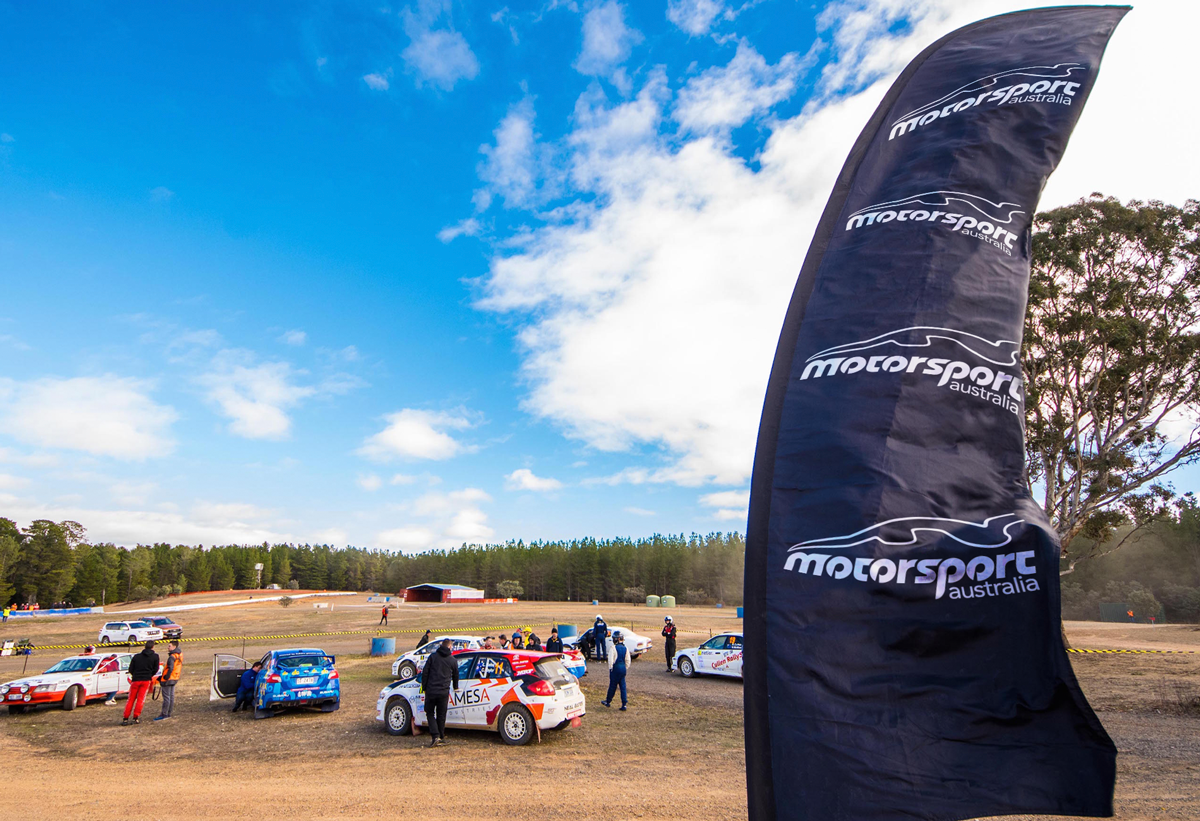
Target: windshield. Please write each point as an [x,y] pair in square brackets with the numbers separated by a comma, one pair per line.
[299,662]
[73,666]
[159,621]
[137,624]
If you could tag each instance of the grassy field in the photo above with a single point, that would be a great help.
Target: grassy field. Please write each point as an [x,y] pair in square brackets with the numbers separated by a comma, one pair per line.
[677,753]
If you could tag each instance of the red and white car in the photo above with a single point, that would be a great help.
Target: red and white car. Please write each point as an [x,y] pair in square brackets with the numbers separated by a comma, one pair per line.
[73,681]
[517,693]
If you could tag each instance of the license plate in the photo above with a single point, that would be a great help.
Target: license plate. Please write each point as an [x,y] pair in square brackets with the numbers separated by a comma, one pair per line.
[310,680]
[15,697]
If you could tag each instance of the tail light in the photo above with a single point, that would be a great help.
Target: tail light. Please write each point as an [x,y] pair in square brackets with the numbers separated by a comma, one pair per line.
[541,687]
[332,675]
[273,679]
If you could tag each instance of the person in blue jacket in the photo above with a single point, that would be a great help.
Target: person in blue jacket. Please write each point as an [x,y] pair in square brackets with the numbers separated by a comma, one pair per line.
[245,692]
[617,666]
[599,636]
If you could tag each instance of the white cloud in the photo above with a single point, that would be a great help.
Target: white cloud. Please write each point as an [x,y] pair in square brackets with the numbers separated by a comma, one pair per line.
[468,227]
[694,16]
[512,167]
[102,415]
[439,56]
[256,397]
[294,337]
[376,81]
[131,493]
[161,194]
[639,511]
[10,482]
[607,41]
[402,479]
[524,479]
[698,249]
[7,138]
[418,434]
[370,482]
[732,505]
[444,520]
[331,536]
[724,97]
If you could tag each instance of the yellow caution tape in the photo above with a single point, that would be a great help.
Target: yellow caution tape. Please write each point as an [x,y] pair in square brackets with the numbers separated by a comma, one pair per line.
[1172,652]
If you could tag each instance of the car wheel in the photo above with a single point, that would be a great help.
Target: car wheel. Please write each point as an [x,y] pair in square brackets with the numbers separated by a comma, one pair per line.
[132,640]
[635,656]
[331,706]
[16,709]
[686,668]
[407,670]
[262,713]
[70,698]
[516,725]
[106,640]
[397,716]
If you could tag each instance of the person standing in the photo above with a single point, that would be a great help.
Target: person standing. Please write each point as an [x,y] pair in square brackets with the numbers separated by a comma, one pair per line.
[438,680]
[424,640]
[554,643]
[668,632]
[7,610]
[142,669]
[534,643]
[169,679]
[245,691]
[617,666]
[383,618]
[504,642]
[517,642]
[599,636]
[487,643]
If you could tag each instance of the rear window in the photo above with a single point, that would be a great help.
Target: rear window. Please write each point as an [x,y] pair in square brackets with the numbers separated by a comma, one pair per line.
[300,662]
[555,673]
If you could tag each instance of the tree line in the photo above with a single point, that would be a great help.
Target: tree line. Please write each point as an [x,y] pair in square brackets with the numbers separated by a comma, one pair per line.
[49,562]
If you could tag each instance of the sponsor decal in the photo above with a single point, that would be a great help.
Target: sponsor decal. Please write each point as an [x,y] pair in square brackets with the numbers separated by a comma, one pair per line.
[977,217]
[977,367]
[465,698]
[986,574]
[1057,85]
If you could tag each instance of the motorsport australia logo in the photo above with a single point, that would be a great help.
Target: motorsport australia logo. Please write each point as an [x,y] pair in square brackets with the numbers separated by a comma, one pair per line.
[967,364]
[1054,85]
[989,572]
[962,213]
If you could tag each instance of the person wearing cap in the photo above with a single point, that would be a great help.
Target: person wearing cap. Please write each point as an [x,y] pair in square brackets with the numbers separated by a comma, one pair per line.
[169,679]
[142,669]
[668,632]
[618,661]
[554,643]
[599,634]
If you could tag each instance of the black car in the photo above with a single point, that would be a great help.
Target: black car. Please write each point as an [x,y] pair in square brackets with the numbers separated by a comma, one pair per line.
[587,646]
[170,629]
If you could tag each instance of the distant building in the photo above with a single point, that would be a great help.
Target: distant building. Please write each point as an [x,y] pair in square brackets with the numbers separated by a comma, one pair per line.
[445,593]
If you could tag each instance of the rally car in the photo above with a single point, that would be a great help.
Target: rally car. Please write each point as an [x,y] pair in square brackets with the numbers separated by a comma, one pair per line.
[129,632]
[170,629]
[73,681]
[410,664]
[288,678]
[517,693]
[637,644]
[720,656]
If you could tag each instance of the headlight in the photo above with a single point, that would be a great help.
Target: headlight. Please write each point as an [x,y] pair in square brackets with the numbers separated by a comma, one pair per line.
[24,688]
[4,690]
[28,697]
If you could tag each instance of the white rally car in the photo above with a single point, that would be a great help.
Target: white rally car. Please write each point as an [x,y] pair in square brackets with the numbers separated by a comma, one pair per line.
[720,656]
[73,681]
[517,693]
[410,664]
[129,632]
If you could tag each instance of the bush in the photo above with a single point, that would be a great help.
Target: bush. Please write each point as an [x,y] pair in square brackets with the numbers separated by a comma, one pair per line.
[293,585]
[1079,604]
[139,593]
[91,602]
[156,592]
[178,588]
[509,588]
[635,594]
[286,601]
[1142,602]
[696,597]
[1182,603]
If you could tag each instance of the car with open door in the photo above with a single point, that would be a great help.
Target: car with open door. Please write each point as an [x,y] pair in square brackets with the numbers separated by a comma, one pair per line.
[288,678]
[719,656]
[516,693]
[70,683]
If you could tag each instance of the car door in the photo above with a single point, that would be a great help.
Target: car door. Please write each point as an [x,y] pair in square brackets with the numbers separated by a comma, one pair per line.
[490,678]
[456,714]
[709,653]
[107,677]
[733,657]
[226,676]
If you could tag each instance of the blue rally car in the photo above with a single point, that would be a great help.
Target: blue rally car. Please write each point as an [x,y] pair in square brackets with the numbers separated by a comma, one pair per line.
[288,678]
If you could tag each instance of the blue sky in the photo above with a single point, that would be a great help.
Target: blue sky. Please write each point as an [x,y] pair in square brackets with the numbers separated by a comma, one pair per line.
[437,272]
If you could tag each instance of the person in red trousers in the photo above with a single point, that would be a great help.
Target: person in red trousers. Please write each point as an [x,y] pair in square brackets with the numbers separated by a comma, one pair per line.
[142,669]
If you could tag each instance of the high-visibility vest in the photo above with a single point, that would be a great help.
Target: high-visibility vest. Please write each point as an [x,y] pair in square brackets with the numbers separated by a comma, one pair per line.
[177,670]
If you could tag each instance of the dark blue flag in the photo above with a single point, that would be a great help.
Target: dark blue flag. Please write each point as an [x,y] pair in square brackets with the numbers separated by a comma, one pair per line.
[902,596]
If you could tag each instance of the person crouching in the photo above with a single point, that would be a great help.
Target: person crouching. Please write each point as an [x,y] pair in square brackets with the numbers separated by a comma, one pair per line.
[245,691]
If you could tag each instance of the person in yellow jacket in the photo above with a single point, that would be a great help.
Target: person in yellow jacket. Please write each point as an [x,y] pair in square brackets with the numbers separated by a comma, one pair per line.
[169,678]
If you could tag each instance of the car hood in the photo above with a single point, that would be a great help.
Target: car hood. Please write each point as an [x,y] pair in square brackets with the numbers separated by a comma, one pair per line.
[44,678]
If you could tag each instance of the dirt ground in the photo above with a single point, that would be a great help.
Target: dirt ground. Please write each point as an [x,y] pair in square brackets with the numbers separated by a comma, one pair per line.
[677,753]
